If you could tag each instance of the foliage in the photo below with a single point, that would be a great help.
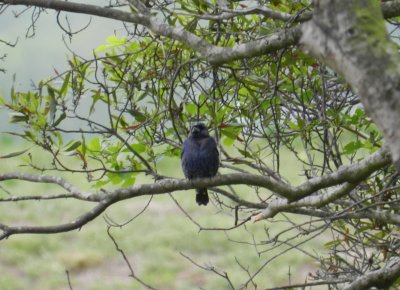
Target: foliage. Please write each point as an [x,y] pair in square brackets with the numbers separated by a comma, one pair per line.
[130,106]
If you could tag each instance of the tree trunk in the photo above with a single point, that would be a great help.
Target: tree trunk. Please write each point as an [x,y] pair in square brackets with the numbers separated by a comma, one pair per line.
[350,37]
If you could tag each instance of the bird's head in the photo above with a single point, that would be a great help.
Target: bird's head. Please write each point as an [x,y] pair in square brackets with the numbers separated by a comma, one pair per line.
[199,130]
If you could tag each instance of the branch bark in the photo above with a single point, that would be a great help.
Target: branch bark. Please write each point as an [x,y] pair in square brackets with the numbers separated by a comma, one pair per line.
[381,278]
[350,37]
[215,55]
[7,231]
[349,176]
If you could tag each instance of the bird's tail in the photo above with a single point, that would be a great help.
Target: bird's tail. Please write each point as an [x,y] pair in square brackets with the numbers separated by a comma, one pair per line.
[202,196]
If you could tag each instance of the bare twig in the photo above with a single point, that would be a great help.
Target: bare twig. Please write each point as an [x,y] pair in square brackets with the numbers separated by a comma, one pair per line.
[185,212]
[381,278]
[311,284]
[112,223]
[132,273]
[69,280]
[212,269]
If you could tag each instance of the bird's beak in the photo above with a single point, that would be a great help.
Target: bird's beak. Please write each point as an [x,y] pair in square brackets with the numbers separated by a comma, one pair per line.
[195,130]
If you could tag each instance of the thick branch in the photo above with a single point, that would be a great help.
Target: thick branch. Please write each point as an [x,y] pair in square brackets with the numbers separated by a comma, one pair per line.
[314,201]
[73,191]
[214,54]
[352,173]
[381,278]
[391,9]
[146,20]
[260,10]
[349,175]
[350,37]
[73,225]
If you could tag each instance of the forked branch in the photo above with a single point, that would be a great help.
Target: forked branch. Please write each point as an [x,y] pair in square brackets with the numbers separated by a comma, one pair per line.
[290,197]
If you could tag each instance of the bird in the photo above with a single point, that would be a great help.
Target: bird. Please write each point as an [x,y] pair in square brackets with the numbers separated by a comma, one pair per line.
[200,158]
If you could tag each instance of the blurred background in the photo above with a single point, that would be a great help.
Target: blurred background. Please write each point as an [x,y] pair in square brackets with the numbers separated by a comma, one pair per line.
[158,242]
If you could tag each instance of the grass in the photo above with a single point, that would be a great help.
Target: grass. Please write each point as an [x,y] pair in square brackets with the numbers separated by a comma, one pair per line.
[153,243]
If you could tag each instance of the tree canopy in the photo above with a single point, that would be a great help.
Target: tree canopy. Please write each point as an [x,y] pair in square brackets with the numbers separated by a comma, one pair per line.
[288,88]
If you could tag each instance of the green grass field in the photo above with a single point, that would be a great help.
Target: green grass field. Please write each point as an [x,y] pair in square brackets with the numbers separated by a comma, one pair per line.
[154,242]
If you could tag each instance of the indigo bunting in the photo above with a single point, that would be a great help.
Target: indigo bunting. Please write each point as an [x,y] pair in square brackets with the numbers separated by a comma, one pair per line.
[200,158]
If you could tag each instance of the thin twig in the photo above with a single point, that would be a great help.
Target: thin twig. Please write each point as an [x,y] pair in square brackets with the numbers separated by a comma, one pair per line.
[69,280]
[185,212]
[132,273]
[112,223]
[210,269]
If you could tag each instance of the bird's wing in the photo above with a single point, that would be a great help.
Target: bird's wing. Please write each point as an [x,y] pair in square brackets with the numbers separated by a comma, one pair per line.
[188,145]
[183,148]
[216,147]
[212,144]
[209,145]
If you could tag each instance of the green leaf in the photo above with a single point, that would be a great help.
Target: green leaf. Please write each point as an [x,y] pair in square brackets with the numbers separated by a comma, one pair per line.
[115,178]
[228,141]
[59,119]
[101,183]
[352,147]
[72,145]
[64,87]
[51,91]
[95,97]
[293,125]
[173,152]
[113,41]
[245,153]
[18,117]
[139,148]
[191,109]
[139,116]
[14,154]
[94,145]
[331,244]
[128,181]
[83,145]
[231,132]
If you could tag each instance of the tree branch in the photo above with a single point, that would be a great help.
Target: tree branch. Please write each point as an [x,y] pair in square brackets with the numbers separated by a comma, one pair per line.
[73,225]
[258,10]
[316,201]
[132,273]
[352,173]
[74,191]
[349,175]
[381,278]
[351,37]
[214,54]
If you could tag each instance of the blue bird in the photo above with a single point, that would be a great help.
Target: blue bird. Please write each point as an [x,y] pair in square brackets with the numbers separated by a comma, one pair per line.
[200,158]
